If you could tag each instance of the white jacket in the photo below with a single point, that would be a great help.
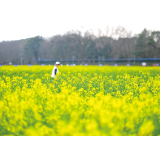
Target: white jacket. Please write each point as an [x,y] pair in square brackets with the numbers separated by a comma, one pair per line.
[54,72]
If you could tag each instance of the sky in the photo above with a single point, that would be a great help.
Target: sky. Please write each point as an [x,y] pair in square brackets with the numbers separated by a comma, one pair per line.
[9,32]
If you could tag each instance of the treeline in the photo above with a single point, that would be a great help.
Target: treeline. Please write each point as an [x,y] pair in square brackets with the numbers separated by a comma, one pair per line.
[111,43]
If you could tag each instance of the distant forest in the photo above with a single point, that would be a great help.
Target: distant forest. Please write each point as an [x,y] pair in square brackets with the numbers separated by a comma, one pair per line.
[112,43]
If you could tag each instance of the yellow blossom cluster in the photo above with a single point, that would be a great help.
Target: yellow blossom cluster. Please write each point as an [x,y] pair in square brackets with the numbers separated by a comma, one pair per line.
[80,101]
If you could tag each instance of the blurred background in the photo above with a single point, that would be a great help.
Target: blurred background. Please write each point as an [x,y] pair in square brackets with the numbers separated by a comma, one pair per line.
[80,44]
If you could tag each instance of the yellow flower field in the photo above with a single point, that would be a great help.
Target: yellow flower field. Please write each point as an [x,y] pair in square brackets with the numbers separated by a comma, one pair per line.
[80,101]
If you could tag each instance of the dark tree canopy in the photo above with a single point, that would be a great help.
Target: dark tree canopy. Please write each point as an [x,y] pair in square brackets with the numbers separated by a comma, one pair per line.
[32,46]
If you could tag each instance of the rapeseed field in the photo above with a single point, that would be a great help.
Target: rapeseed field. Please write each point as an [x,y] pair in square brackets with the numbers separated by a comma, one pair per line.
[80,101]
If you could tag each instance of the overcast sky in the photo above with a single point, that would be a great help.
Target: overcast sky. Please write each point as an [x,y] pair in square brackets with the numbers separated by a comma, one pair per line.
[23,31]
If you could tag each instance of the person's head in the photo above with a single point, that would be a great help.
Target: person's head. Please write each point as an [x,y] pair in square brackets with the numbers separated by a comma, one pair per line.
[57,64]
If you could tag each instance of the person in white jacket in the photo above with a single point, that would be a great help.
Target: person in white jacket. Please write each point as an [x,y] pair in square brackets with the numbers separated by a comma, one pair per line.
[55,70]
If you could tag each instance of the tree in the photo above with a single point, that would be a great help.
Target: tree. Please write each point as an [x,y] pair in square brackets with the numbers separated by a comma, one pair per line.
[141,48]
[91,50]
[106,51]
[32,46]
[154,42]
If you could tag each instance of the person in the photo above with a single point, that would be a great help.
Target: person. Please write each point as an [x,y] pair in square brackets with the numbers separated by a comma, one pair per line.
[55,70]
